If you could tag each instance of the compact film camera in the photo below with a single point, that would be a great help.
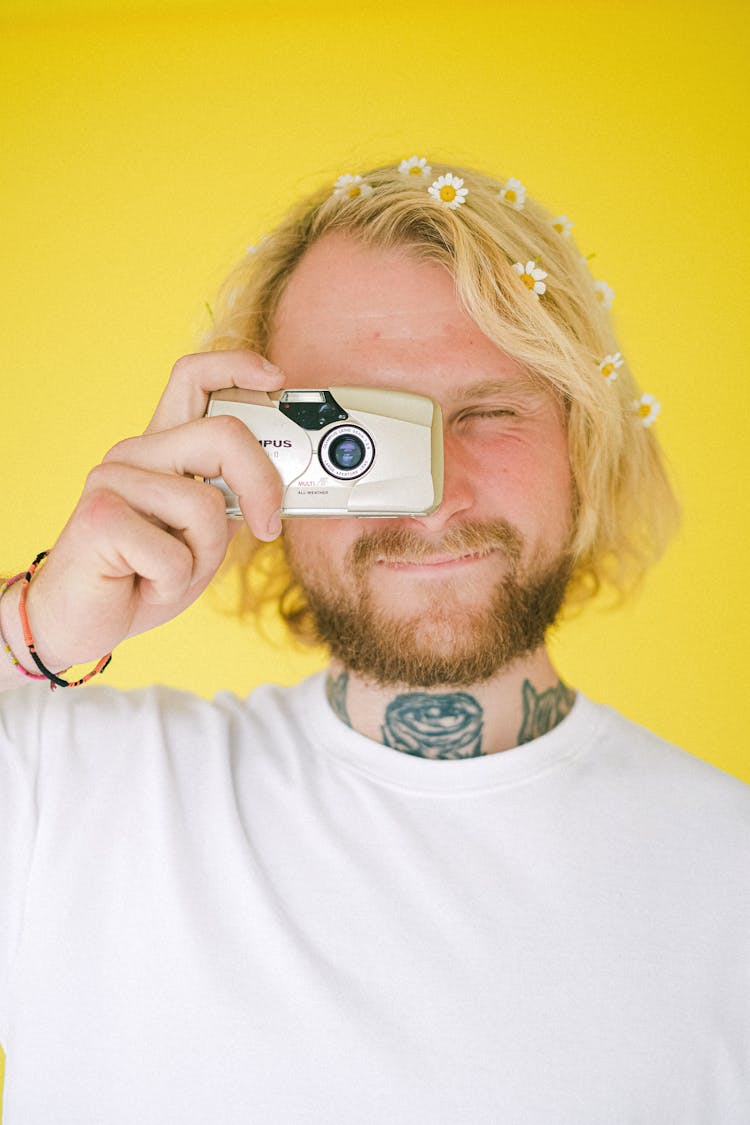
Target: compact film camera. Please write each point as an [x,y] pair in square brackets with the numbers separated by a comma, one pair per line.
[344,451]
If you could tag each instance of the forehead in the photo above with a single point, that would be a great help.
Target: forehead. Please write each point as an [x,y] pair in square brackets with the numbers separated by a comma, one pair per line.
[367,314]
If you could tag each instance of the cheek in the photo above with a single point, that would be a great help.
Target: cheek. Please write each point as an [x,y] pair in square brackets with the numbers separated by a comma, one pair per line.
[529,482]
[315,545]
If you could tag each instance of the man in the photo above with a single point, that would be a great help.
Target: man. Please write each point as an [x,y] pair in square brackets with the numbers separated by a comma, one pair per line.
[434,884]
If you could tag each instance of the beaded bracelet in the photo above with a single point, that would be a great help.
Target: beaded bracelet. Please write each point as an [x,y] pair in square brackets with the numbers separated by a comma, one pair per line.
[5,585]
[55,681]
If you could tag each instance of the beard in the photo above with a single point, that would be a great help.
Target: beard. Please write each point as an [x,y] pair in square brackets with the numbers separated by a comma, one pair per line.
[444,636]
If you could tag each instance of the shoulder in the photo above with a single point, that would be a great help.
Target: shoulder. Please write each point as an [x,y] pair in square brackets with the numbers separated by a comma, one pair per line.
[112,747]
[660,774]
[640,744]
[107,716]
[35,710]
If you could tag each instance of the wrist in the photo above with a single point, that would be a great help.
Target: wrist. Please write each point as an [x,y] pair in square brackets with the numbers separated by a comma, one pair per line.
[54,678]
[11,630]
[47,667]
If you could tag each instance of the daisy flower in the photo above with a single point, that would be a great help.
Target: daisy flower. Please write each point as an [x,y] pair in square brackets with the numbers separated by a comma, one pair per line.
[415,166]
[513,193]
[647,409]
[609,366]
[532,277]
[604,294]
[353,186]
[449,190]
[563,226]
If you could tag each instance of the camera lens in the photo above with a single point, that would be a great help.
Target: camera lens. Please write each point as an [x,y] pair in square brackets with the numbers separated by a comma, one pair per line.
[346,452]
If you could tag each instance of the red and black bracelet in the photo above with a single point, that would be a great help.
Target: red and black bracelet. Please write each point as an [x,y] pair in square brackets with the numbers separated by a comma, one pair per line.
[54,680]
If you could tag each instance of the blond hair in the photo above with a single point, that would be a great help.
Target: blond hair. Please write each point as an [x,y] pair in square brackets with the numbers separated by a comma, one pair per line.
[625,507]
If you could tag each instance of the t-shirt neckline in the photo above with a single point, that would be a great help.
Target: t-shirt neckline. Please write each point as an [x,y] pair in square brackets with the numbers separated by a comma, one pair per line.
[570,738]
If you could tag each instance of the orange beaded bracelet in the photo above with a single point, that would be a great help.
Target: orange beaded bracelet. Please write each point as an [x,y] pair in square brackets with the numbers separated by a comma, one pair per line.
[6,585]
[55,681]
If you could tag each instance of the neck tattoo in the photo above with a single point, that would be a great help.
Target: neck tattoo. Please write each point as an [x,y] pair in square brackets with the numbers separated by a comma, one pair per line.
[450,726]
[543,710]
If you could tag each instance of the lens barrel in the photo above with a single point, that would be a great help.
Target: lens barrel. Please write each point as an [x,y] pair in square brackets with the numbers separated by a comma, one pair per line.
[346,452]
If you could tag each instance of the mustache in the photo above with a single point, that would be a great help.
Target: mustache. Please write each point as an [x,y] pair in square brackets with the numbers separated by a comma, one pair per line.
[400,544]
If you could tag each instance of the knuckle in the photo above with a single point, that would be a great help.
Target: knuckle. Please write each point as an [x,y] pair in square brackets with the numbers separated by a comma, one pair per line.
[99,505]
[120,451]
[183,368]
[230,429]
[101,476]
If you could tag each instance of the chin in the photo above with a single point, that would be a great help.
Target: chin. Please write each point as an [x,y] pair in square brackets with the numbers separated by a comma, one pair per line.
[427,628]
[428,614]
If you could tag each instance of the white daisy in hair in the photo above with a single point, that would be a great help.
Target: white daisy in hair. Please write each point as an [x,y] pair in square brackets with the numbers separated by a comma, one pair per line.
[563,226]
[449,190]
[353,186]
[610,365]
[416,166]
[513,193]
[647,409]
[604,294]
[532,277]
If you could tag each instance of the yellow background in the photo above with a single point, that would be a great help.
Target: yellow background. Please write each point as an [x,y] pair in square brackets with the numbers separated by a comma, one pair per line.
[145,145]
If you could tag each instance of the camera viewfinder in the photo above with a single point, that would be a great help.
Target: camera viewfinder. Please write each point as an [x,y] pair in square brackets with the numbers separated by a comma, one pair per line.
[312,410]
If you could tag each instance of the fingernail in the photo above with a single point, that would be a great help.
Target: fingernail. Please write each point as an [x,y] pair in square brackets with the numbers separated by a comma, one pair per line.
[274,525]
[271,368]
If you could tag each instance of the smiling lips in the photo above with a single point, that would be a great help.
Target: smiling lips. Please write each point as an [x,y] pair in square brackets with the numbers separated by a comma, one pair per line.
[403,549]
[436,563]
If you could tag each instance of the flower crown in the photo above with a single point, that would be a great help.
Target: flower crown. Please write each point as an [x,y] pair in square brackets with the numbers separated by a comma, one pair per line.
[449,191]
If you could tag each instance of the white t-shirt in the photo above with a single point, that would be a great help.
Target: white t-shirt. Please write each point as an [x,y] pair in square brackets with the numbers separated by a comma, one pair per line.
[241,911]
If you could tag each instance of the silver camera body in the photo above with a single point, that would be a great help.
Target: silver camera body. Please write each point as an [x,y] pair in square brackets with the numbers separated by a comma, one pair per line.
[344,451]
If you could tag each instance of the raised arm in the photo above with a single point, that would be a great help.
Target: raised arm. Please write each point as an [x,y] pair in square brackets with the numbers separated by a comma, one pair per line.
[146,537]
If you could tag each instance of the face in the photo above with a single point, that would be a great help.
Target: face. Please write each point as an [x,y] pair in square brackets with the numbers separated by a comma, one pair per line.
[453,597]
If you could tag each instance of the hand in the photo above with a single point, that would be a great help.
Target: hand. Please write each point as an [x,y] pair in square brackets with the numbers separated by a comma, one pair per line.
[146,538]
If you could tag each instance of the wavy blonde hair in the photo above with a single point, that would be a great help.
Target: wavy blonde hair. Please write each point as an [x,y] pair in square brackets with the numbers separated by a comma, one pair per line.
[626,508]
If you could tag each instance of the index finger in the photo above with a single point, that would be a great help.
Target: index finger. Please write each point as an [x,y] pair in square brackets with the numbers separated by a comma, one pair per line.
[194,377]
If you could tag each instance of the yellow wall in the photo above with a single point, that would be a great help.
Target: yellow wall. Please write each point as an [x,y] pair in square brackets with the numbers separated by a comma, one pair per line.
[145,145]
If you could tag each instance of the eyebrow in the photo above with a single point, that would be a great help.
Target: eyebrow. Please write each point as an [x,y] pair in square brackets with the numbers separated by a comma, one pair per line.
[487,388]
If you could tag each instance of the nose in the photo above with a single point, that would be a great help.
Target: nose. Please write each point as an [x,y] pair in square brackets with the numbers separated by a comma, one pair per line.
[458,489]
